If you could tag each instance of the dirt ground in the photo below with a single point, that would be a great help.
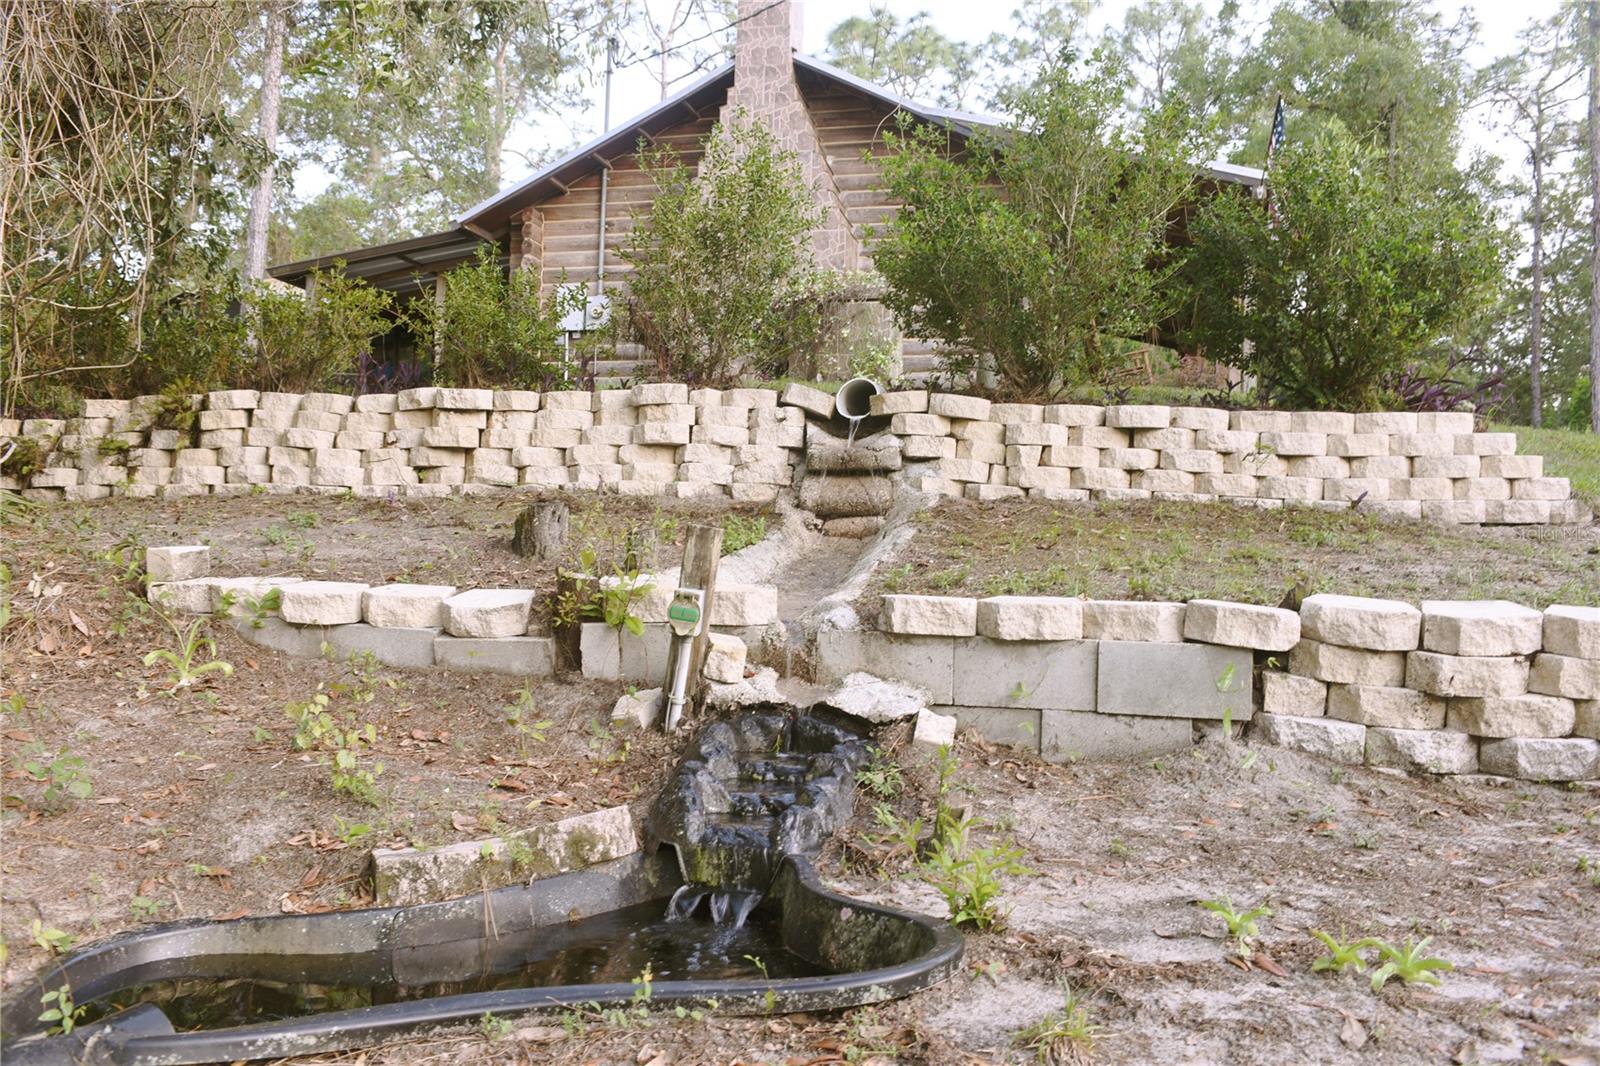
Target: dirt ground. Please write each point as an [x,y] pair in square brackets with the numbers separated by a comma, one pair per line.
[1183,551]
[202,807]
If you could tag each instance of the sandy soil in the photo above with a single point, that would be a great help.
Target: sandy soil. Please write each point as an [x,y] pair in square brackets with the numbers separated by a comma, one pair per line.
[202,808]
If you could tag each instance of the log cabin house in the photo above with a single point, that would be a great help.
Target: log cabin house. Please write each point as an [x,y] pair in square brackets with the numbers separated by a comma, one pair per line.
[553,221]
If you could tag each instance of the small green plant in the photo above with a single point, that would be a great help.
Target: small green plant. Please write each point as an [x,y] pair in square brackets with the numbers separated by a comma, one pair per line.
[1243,926]
[112,448]
[190,661]
[881,776]
[259,607]
[521,714]
[901,836]
[969,878]
[1063,1034]
[60,1011]
[316,728]
[952,577]
[1341,956]
[350,832]
[494,1028]
[759,964]
[53,940]
[1410,963]
[144,909]
[739,532]
[895,578]
[65,775]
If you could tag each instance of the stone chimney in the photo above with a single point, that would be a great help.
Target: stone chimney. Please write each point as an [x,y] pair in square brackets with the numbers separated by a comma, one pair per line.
[764,86]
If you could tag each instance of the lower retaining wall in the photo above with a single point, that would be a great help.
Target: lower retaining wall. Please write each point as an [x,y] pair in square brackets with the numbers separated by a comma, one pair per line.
[750,445]
[1452,687]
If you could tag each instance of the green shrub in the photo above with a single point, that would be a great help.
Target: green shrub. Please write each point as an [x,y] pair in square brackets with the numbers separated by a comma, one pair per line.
[1025,254]
[722,266]
[1358,277]
[494,330]
[306,341]
[197,338]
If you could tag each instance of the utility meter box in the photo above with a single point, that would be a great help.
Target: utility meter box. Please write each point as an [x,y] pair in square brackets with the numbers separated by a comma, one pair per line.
[686,613]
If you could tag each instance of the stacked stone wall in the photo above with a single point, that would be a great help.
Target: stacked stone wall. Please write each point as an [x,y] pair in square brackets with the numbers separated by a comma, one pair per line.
[1451,687]
[749,445]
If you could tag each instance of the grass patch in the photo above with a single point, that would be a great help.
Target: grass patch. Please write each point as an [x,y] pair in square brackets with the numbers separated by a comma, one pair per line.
[1568,453]
[1183,551]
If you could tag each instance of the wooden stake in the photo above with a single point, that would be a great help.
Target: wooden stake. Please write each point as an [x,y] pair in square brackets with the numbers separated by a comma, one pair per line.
[702,551]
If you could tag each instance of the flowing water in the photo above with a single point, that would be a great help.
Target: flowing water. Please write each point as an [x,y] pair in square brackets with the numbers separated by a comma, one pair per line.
[612,947]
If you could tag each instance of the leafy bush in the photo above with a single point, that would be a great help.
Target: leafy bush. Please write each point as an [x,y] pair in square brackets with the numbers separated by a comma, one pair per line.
[1357,278]
[307,341]
[494,330]
[722,266]
[197,338]
[1027,252]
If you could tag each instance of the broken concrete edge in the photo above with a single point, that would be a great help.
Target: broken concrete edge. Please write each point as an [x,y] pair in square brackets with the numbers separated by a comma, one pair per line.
[406,876]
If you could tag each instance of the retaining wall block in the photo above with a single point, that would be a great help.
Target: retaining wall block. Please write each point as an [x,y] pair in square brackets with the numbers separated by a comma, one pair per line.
[725,658]
[947,616]
[1464,675]
[1361,622]
[1068,736]
[1347,666]
[1030,618]
[406,606]
[926,662]
[1480,627]
[177,563]
[1513,716]
[1291,694]
[1055,674]
[407,876]
[488,613]
[1241,625]
[1572,631]
[613,654]
[1432,751]
[1565,675]
[191,596]
[1018,727]
[516,656]
[1176,681]
[1327,737]
[1133,620]
[274,633]
[392,646]
[322,603]
[1586,722]
[1541,759]
[1386,707]
[933,730]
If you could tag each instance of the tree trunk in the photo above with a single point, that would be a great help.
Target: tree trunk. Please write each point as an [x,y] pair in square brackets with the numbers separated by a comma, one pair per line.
[255,241]
[1593,50]
[497,119]
[1536,296]
[541,531]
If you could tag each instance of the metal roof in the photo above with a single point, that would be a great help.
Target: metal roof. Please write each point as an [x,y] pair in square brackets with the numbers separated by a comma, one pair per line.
[396,266]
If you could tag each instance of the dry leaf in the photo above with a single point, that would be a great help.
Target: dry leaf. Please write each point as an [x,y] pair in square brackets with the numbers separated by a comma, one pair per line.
[77,623]
[231,915]
[464,823]
[1352,1034]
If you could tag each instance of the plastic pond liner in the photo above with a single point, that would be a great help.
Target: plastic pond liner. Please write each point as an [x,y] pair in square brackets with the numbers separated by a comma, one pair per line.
[750,802]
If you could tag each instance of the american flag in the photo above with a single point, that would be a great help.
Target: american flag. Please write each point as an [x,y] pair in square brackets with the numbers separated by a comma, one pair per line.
[1274,142]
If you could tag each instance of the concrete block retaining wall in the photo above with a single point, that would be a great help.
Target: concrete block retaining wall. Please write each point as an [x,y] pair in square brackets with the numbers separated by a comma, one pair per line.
[747,444]
[1450,687]
[420,626]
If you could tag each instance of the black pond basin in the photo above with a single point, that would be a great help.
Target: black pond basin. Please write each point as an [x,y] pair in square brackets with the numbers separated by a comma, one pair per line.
[753,931]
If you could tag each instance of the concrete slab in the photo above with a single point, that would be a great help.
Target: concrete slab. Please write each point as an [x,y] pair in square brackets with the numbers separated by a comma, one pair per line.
[1174,680]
